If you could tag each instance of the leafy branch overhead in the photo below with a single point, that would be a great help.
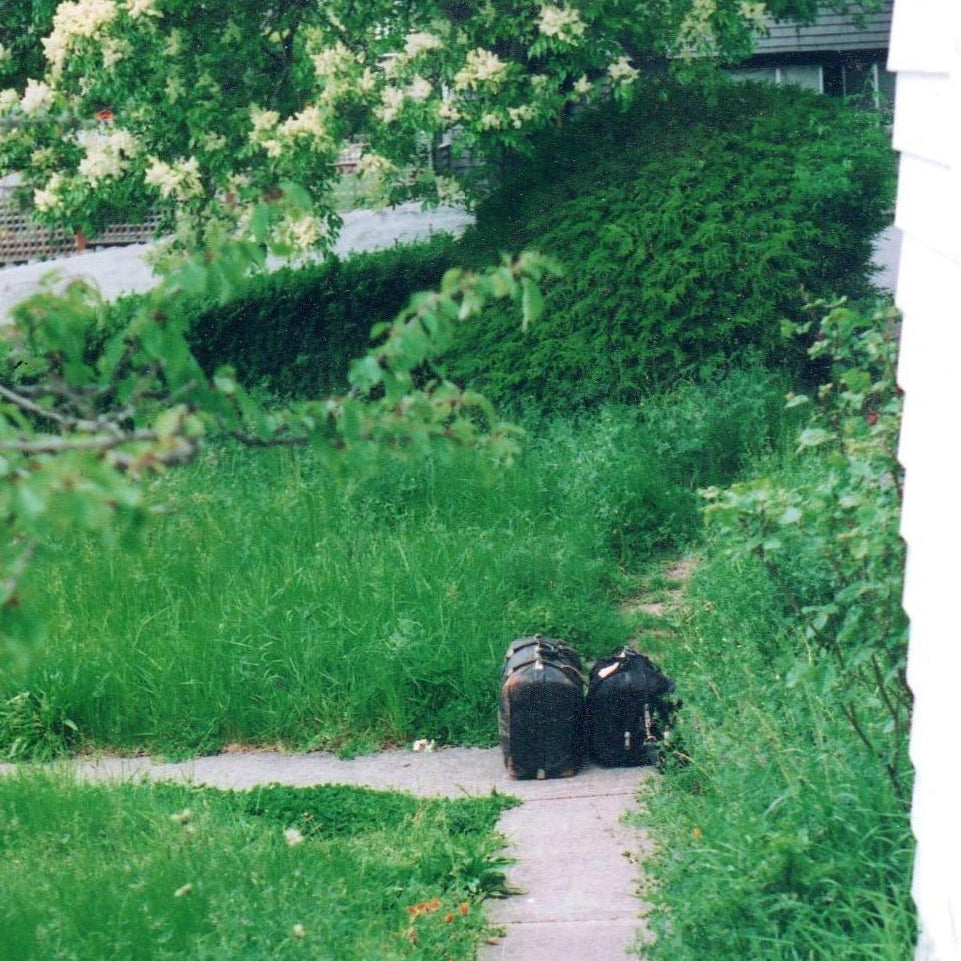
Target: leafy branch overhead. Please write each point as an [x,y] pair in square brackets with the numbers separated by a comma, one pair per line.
[201,109]
[85,410]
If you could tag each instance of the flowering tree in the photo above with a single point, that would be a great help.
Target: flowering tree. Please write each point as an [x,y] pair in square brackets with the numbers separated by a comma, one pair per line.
[230,120]
[203,109]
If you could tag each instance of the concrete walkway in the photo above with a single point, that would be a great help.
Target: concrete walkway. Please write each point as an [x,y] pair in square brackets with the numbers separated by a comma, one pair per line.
[577,863]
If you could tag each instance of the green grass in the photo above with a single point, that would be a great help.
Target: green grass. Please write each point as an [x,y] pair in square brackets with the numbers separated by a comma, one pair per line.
[780,836]
[110,873]
[279,600]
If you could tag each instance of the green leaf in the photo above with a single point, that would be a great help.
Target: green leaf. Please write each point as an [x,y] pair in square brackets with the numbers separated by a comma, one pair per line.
[813,437]
[297,196]
[532,303]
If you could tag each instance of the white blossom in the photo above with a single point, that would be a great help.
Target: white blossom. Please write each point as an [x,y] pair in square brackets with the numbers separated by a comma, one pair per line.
[392,102]
[754,12]
[309,123]
[562,23]
[419,42]
[450,192]
[303,232]
[298,931]
[419,89]
[264,122]
[123,142]
[174,88]
[142,8]
[37,97]
[46,198]
[491,121]
[696,31]
[583,86]
[174,43]
[367,82]
[73,19]
[333,61]
[9,99]
[114,50]
[422,744]
[374,165]
[621,71]
[481,67]
[104,154]
[180,179]
[520,115]
[448,110]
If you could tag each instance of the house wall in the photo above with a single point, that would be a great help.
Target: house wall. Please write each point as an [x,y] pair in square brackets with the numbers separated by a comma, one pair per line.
[831,31]
[925,53]
[840,54]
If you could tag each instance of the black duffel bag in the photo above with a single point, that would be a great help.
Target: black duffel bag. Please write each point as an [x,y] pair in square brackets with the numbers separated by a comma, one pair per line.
[541,708]
[628,709]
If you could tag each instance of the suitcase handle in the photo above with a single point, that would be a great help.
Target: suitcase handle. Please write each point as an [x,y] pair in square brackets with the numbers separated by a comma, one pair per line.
[567,668]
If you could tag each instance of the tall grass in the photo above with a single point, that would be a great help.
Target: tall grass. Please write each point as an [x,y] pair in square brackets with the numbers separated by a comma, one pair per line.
[280,600]
[96,872]
[782,837]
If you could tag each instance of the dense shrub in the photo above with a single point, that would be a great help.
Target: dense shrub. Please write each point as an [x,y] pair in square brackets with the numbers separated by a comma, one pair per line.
[687,227]
[294,331]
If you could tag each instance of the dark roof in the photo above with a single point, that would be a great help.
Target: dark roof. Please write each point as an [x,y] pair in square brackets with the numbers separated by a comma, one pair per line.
[831,31]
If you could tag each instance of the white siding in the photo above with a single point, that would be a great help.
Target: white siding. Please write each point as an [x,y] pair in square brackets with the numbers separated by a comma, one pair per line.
[926,53]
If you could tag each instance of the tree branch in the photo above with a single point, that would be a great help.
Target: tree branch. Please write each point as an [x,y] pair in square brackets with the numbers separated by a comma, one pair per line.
[62,445]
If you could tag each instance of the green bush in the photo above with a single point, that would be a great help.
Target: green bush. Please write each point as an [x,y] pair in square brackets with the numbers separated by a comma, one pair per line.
[687,227]
[786,826]
[294,331]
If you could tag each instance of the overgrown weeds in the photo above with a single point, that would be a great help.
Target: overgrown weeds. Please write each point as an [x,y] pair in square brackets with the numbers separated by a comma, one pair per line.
[281,599]
[784,818]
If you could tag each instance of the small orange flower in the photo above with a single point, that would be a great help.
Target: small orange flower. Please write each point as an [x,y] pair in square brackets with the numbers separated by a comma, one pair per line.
[448,917]
[105,115]
[696,833]
[433,904]
[463,908]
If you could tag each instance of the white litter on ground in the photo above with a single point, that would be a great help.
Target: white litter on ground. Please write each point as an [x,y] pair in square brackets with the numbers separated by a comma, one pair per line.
[122,270]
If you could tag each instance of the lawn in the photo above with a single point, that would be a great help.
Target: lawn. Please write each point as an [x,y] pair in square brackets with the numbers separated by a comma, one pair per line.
[111,873]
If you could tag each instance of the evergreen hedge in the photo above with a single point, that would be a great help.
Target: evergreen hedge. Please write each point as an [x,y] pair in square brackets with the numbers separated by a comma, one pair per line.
[688,226]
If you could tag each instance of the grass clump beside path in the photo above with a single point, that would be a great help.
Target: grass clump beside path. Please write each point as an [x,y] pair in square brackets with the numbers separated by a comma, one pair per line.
[116,872]
[781,839]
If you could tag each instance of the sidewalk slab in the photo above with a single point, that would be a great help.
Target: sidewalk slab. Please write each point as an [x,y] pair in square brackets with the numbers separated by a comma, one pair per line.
[576,861]
[577,864]
[564,941]
[447,772]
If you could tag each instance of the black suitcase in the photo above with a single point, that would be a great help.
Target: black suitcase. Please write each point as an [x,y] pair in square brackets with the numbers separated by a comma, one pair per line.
[627,710]
[541,708]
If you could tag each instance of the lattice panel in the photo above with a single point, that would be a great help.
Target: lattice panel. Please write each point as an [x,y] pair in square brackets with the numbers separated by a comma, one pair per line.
[22,241]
